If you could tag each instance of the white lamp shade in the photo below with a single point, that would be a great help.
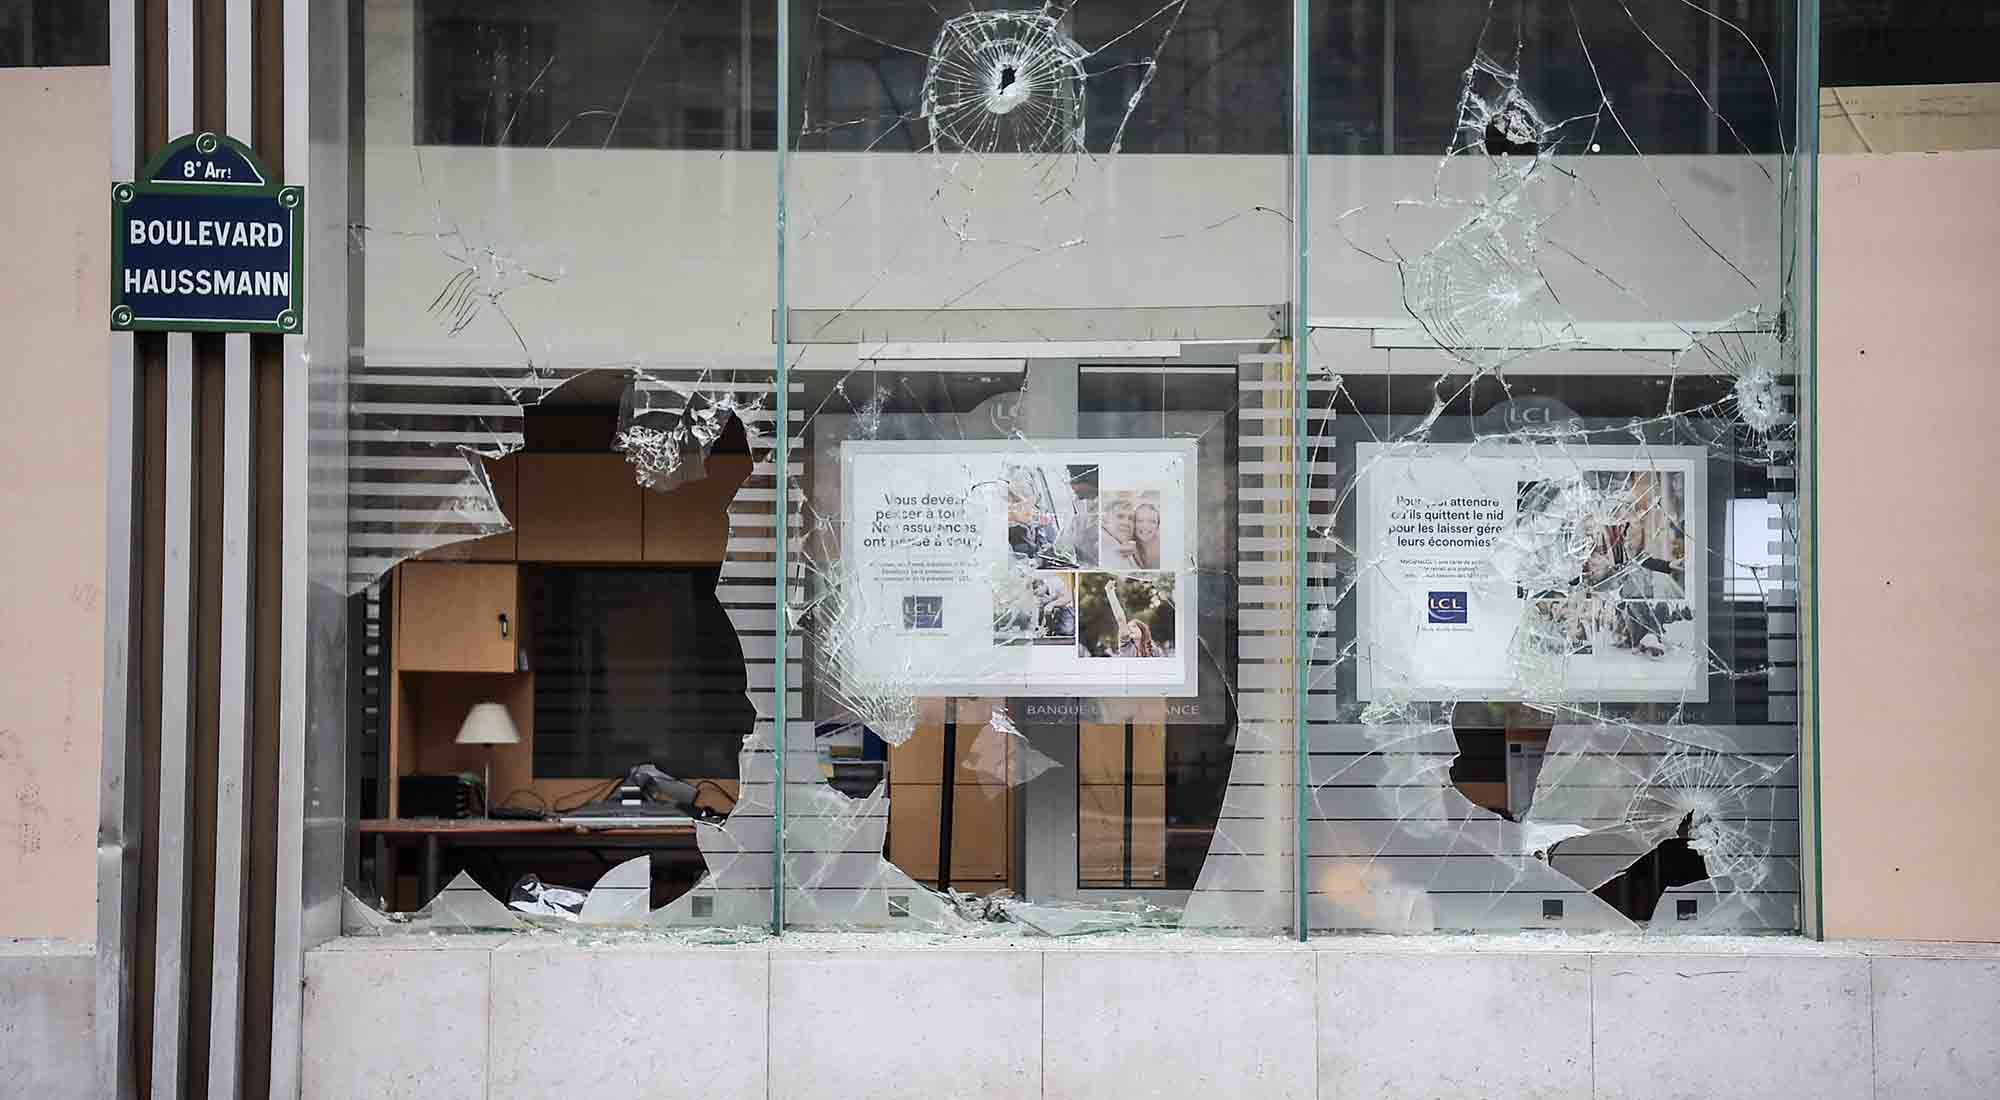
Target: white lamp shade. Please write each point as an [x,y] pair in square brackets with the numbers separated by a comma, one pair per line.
[488,724]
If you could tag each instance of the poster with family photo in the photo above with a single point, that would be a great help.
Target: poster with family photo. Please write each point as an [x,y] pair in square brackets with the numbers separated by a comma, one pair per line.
[1037,608]
[1051,511]
[1058,567]
[1523,572]
[1626,605]
[1623,531]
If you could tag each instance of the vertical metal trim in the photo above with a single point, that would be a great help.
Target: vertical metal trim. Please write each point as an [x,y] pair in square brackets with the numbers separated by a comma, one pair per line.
[288,909]
[1048,868]
[232,773]
[240,61]
[176,726]
[180,67]
[177,638]
[781,457]
[1805,170]
[288,938]
[1301,333]
[232,778]
[119,821]
[120,810]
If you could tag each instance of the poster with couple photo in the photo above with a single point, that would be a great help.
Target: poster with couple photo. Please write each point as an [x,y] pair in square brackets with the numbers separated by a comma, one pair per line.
[1057,567]
[1522,572]
[1129,530]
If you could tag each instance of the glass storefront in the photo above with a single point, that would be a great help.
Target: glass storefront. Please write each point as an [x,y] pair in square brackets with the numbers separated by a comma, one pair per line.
[1106,467]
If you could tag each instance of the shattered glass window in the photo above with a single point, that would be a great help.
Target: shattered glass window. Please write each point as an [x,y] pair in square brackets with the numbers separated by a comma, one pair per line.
[1134,76]
[1553,377]
[560,458]
[962,470]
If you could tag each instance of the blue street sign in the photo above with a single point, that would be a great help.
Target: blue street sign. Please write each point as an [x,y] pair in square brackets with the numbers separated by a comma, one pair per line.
[205,242]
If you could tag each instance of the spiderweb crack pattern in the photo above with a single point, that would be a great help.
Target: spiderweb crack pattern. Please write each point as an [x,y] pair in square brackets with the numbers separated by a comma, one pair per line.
[1398,845]
[1005,82]
[1005,96]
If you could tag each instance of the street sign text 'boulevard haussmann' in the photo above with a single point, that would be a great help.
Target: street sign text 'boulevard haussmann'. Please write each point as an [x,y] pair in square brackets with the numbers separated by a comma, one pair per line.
[204,241]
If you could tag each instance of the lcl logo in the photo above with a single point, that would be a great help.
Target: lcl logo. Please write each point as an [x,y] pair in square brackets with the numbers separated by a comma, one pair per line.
[1530,414]
[1447,607]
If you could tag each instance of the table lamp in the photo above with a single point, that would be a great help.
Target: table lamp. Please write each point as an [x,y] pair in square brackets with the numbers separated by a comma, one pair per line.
[488,724]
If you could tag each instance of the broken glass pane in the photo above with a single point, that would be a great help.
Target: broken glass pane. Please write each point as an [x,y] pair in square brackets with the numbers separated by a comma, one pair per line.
[1049,523]
[1554,399]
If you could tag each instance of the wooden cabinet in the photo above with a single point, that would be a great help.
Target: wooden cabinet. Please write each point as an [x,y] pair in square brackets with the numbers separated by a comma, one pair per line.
[457,617]
[1121,809]
[979,833]
[982,805]
[1101,759]
[690,524]
[578,508]
[1101,836]
[589,507]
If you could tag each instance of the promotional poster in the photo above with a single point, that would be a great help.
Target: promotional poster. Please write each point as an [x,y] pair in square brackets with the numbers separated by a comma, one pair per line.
[1055,568]
[1574,573]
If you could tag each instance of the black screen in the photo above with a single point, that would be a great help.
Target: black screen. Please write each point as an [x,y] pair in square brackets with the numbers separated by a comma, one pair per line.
[634,666]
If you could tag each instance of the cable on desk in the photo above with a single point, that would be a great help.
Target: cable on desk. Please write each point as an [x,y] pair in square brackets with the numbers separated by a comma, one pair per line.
[718,789]
[592,793]
[536,795]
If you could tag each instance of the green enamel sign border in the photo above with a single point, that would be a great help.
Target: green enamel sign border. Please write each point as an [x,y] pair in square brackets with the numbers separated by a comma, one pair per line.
[292,321]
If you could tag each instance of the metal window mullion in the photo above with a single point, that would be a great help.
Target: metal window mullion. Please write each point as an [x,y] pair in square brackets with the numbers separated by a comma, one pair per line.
[780,472]
[1805,329]
[1300,333]
[232,775]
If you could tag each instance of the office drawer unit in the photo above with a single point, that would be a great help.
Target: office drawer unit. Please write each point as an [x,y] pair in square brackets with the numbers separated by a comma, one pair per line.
[457,617]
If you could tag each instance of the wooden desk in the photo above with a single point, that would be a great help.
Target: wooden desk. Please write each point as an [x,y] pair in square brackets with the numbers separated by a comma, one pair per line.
[435,834]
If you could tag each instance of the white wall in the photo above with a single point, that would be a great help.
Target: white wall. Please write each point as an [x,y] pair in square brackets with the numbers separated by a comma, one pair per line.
[55,308]
[1909,529]
[1547,1017]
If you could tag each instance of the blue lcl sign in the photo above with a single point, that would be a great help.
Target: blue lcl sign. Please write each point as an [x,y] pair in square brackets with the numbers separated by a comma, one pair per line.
[205,242]
[1447,607]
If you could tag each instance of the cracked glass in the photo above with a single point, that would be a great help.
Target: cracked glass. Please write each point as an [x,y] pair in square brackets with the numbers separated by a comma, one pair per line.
[1553,377]
[1036,288]
[1003,486]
